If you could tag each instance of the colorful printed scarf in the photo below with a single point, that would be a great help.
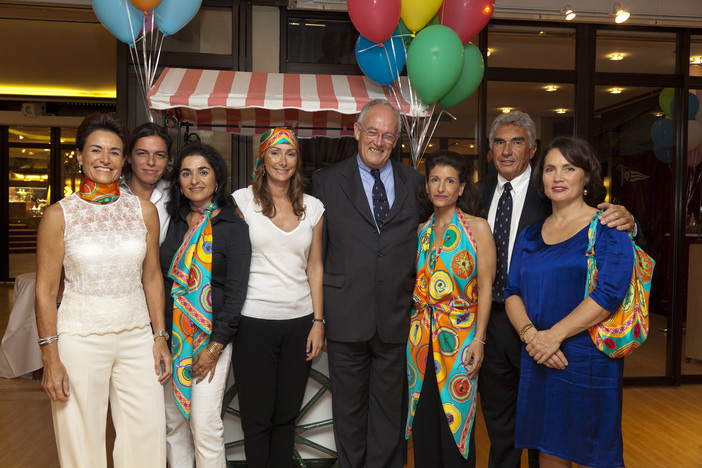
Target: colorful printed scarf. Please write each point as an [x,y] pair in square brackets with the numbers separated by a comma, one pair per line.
[99,193]
[191,271]
[275,136]
[445,309]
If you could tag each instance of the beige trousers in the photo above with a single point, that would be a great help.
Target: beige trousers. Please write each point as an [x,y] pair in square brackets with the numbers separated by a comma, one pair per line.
[119,368]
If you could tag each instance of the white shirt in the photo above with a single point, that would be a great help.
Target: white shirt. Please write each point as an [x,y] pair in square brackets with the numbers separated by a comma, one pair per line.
[278,285]
[520,185]
[159,197]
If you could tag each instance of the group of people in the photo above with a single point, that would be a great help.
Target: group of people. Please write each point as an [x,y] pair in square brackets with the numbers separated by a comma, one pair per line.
[424,287]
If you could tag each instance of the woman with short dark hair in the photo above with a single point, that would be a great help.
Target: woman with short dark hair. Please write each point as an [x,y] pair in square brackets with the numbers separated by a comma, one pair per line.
[570,394]
[97,345]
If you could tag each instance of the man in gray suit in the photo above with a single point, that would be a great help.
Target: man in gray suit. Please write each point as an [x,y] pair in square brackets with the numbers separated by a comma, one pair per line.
[370,245]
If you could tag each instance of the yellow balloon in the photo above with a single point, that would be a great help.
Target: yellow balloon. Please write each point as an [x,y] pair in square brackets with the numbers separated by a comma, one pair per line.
[417,13]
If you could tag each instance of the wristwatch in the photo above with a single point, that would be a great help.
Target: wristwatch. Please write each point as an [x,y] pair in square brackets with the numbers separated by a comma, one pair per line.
[160,334]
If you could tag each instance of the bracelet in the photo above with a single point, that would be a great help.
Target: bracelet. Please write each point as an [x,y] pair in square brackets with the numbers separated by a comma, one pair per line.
[524,330]
[48,340]
[160,334]
[479,341]
[322,321]
[214,350]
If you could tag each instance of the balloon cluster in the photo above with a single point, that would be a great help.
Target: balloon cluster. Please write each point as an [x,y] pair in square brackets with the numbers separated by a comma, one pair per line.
[133,21]
[125,19]
[662,130]
[432,38]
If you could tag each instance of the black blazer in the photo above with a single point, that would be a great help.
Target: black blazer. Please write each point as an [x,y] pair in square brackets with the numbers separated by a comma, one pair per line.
[368,276]
[535,208]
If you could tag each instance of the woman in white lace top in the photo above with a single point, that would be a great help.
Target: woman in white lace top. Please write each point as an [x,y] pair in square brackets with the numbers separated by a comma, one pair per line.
[97,345]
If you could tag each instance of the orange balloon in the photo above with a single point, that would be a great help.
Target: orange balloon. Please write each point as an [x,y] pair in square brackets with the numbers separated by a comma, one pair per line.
[145,4]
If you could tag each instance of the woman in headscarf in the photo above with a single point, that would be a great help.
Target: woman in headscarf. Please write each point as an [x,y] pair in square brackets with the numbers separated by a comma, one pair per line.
[97,346]
[205,261]
[282,328]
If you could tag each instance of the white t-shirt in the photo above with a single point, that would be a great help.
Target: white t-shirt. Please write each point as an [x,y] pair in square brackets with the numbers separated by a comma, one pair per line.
[278,286]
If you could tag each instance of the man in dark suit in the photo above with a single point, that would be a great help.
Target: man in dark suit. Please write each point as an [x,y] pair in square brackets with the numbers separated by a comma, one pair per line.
[513,145]
[371,219]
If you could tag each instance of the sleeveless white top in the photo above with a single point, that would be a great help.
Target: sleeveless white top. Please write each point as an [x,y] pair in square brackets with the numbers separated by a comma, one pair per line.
[104,249]
[278,286]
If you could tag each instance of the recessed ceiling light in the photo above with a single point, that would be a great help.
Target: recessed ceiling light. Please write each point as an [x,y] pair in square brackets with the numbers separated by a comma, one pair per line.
[696,60]
[489,52]
[619,13]
[551,88]
[616,91]
[568,12]
[561,111]
[616,56]
[506,110]
[659,114]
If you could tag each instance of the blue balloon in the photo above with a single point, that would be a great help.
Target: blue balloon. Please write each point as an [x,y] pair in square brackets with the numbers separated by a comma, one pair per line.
[663,153]
[120,17]
[381,63]
[662,132]
[172,15]
[693,105]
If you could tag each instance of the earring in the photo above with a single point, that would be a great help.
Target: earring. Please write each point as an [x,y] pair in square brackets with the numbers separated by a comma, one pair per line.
[80,168]
[585,192]
[263,171]
[216,188]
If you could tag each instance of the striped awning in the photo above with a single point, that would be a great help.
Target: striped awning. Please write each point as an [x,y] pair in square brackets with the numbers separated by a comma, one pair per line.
[248,103]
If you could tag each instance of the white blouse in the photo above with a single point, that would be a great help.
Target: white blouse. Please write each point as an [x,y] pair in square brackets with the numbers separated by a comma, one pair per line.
[278,287]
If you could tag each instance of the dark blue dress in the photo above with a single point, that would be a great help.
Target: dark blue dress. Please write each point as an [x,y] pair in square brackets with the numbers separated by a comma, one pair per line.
[575,413]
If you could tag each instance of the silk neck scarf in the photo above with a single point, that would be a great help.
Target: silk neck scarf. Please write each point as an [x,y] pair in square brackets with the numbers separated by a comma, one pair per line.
[274,136]
[191,271]
[98,193]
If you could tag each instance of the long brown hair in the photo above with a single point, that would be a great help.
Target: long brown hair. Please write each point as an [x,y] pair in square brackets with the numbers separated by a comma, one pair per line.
[262,195]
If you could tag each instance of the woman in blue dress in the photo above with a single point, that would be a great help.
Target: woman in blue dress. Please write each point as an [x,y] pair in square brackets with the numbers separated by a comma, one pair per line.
[570,394]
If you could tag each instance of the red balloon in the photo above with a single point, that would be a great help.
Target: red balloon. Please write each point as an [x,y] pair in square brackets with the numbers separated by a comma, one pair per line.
[466,17]
[376,20]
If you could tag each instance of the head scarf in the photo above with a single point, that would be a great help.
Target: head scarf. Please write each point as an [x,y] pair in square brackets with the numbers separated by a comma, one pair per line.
[191,271]
[275,136]
[99,193]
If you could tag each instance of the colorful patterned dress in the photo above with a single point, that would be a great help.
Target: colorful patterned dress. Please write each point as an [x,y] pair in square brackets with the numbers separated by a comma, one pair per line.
[445,304]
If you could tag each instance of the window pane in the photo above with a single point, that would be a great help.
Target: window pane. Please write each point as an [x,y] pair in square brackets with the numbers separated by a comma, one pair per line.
[696,55]
[636,152]
[210,32]
[531,47]
[21,134]
[635,52]
[321,41]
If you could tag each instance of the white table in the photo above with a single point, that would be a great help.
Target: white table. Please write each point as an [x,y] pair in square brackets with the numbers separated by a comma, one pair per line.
[19,351]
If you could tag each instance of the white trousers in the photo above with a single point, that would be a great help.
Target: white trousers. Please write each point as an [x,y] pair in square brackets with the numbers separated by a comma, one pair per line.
[200,439]
[119,368]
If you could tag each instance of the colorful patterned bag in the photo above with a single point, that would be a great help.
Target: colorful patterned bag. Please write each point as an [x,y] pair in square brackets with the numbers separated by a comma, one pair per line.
[627,328]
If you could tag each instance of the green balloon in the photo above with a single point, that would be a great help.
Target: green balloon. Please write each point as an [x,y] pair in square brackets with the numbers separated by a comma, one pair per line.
[472,75]
[664,100]
[434,62]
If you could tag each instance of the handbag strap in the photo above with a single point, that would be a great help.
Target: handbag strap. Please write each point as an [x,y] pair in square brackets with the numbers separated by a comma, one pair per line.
[591,281]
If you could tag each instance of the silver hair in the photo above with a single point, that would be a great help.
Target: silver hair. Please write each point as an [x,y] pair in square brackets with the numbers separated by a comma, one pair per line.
[380,102]
[518,118]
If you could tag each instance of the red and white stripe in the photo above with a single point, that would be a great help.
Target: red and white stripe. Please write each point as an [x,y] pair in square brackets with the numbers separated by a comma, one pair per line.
[248,103]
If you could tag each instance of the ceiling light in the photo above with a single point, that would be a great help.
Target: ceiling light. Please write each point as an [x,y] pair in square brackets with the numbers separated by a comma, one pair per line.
[616,56]
[506,110]
[696,60]
[561,111]
[659,114]
[616,91]
[551,88]
[489,52]
[620,14]
[568,12]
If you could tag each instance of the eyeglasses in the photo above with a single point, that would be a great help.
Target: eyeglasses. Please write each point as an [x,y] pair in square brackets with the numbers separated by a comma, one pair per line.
[515,143]
[372,134]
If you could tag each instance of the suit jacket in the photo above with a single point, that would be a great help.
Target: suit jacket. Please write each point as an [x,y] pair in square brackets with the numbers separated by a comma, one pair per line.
[368,276]
[535,208]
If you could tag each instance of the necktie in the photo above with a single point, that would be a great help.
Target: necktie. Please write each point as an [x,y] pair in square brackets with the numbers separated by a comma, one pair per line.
[503,219]
[380,199]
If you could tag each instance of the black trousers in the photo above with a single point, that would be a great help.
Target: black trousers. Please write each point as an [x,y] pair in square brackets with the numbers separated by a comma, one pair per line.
[434,445]
[499,383]
[271,374]
[369,381]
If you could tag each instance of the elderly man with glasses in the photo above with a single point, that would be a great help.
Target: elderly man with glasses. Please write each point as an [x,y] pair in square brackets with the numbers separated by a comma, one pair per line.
[370,245]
